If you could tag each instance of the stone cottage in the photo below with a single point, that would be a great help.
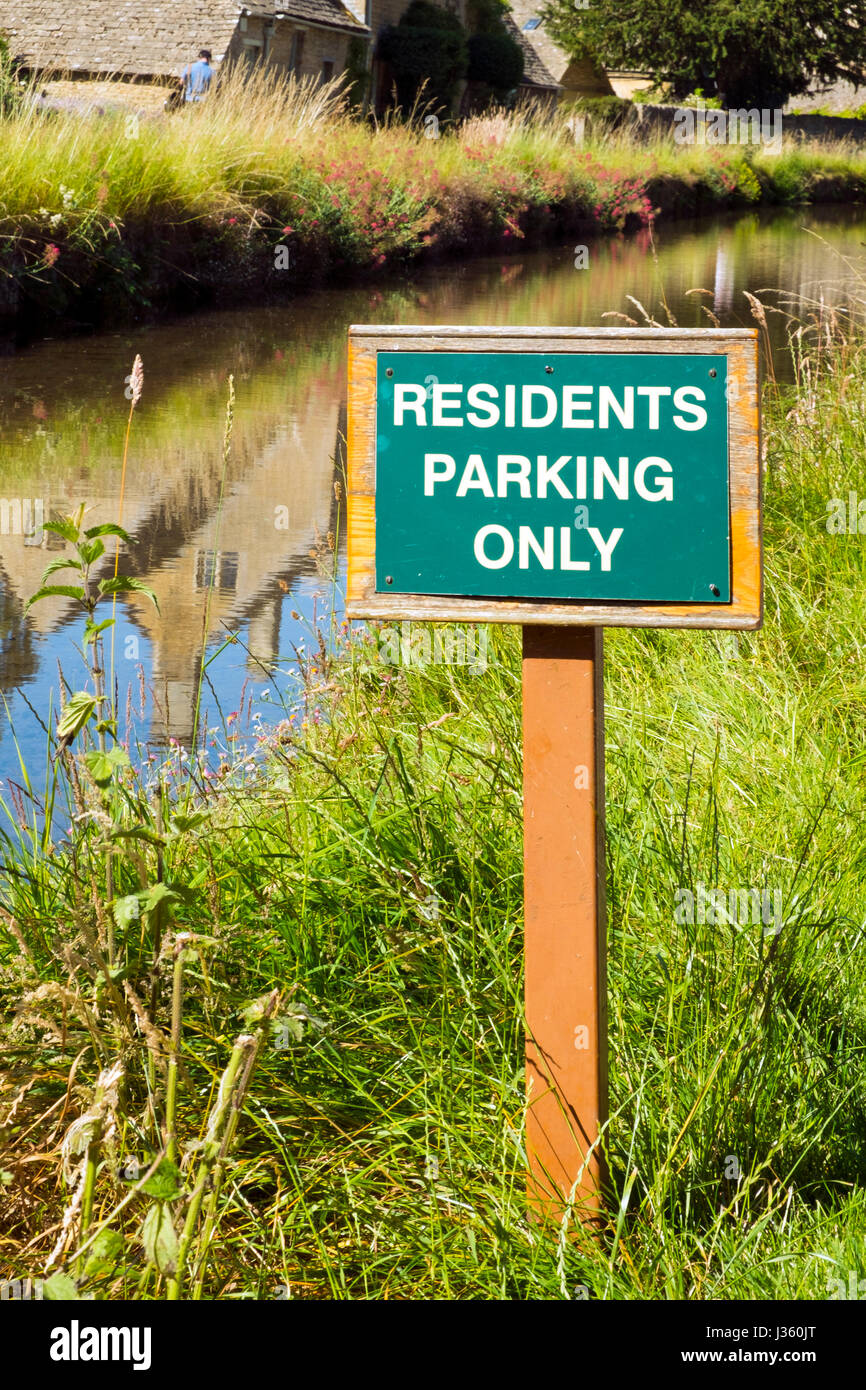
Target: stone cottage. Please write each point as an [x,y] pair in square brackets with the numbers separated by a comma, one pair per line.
[155,39]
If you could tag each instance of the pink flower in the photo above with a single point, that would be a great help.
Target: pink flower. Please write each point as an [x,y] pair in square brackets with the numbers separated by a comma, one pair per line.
[51,254]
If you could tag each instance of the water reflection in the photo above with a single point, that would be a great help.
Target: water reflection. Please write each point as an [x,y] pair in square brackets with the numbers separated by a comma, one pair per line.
[257,537]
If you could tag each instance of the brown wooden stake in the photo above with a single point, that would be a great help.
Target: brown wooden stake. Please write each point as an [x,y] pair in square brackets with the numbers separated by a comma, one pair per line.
[564,893]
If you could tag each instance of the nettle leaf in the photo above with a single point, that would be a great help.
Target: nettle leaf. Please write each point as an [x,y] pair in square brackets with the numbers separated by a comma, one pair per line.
[90,550]
[76,712]
[109,528]
[166,1183]
[159,1238]
[102,766]
[55,591]
[124,585]
[254,1010]
[126,910]
[103,1255]
[92,630]
[58,565]
[160,892]
[60,1288]
[65,528]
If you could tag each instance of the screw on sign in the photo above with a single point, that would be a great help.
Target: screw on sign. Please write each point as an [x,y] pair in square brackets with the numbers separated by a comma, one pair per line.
[567,480]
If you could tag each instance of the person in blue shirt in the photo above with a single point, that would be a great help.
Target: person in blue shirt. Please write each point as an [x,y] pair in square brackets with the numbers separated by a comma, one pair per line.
[197,77]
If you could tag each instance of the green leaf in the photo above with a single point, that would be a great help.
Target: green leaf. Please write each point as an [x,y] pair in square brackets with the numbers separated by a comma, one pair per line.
[92,630]
[65,528]
[55,591]
[102,766]
[159,1238]
[166,1183]
[60,1288]
[181,823]
[76,712]
[109,528]
[58,565]
[90,550]
[126,910]
[138,832]
[124,585]
[103,1255]
[160,892]
[254,1009]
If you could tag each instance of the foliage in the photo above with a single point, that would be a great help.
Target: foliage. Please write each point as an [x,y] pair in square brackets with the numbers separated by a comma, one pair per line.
[13,88]
[427,49]
[606,113]
[357,72]
[496,60]
[746,52]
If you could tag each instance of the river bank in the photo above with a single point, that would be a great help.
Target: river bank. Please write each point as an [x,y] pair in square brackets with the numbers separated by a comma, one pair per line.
[264,194]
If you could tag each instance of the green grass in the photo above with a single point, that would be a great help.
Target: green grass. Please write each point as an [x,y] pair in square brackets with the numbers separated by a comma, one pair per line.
[371,871]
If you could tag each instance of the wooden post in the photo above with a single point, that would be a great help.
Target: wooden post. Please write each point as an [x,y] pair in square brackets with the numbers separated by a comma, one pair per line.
[564,892]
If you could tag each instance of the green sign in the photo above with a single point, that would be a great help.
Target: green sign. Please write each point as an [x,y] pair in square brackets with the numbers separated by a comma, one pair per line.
[553,475]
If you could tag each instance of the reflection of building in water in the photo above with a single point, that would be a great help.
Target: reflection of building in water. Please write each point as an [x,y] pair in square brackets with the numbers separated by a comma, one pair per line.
[724,280]
[214,562]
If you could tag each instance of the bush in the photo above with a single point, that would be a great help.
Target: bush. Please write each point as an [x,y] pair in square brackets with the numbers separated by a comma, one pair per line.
[606,113]
[429,45]
[11,87]
[496,60]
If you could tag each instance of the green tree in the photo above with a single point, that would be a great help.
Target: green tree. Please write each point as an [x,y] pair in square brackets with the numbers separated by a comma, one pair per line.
[745,52]
[495,57]
[428,45]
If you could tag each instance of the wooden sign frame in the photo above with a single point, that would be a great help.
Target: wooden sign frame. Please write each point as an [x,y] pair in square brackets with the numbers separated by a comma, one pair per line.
[744,611]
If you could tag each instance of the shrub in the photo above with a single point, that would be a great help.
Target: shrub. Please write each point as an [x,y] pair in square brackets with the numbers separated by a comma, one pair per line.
[428,45]
[606,113]
[496,60]
[11,87]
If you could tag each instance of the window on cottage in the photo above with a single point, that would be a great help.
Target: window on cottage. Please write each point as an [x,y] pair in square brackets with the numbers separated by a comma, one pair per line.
[216,569]
[297,54]
[327,69]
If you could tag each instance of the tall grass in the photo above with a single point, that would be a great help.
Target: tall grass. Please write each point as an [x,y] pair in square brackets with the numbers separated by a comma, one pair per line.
[371,871]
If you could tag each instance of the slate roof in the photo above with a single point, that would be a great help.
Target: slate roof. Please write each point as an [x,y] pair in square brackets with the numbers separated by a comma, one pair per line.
[535,74]
[329,12]
[147,38]
[573,74]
